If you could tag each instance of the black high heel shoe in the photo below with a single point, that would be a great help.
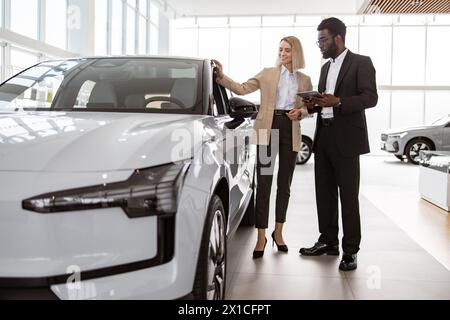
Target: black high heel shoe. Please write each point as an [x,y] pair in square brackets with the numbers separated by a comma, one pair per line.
[282,248]
[259,254]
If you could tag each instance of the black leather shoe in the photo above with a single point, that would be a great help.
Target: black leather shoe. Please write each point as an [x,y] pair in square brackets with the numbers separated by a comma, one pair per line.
[349,262]
[320,249]
[259,254]
[281,247]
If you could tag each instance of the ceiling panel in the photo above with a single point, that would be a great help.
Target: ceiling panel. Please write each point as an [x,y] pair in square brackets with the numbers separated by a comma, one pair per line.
[406,7]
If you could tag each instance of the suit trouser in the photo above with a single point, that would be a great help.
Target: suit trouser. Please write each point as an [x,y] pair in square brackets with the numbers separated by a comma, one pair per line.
[335,172]
[266,157]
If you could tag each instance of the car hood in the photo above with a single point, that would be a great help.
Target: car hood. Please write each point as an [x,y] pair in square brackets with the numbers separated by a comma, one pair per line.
[409,129]
[94,142]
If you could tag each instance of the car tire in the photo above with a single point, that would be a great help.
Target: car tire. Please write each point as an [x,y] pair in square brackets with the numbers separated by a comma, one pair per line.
[249,216]
[305,152]
[210,278]
[413,148]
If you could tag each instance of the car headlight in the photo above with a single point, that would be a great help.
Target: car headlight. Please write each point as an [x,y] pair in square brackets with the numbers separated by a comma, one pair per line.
[398,135]
[147,192]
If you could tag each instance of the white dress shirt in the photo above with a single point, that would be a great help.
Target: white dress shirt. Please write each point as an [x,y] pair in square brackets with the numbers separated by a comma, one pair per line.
[333,73]
[287,90]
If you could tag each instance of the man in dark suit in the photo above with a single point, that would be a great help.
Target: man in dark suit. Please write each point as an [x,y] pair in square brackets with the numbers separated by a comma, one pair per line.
[348,87]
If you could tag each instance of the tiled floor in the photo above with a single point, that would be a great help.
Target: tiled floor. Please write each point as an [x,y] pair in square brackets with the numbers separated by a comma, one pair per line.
[404,252]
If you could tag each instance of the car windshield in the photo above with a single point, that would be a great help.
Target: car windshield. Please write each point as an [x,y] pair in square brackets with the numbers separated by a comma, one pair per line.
[107,84]
[441,121]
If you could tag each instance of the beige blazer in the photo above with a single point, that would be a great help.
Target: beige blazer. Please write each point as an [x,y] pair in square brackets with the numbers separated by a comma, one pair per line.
[267,82]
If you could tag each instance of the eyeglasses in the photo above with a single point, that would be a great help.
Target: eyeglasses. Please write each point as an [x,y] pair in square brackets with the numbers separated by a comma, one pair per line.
[322,41]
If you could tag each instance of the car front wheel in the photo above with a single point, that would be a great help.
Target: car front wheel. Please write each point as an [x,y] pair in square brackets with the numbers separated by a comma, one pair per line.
[305,152]
[210,277]
[413,148]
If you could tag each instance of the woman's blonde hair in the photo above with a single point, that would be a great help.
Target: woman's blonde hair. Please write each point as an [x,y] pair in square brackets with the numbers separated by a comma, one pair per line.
[298,59]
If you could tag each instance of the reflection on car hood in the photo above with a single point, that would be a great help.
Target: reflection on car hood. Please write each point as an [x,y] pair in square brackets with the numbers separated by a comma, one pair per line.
[409,129]
[90,142]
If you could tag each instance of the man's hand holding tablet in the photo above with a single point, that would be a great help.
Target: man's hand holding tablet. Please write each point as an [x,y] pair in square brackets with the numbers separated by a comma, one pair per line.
[307,97]
[308,94]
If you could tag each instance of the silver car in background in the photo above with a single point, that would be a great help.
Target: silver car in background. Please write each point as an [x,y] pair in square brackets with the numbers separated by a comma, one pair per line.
[408,142]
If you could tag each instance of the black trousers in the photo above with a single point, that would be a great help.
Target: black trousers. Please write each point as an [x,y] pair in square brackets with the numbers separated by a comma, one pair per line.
[266,157]
[335,172]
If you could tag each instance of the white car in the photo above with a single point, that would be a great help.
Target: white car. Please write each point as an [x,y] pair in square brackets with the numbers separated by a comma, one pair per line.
[121,178]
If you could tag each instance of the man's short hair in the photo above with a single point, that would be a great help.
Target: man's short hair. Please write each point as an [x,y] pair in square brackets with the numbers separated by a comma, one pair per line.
[334,26]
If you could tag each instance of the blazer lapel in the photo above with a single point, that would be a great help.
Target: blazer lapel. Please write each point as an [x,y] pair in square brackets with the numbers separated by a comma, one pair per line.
[274,86]
[299,81]
[301,87]
[345,66]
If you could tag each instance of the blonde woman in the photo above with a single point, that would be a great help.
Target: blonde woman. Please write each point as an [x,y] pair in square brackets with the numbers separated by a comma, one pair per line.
[279,117]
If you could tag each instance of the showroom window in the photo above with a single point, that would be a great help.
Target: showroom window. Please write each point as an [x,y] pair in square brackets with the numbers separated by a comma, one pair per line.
[142,34]
[133,25]
[55,23]
[154,29]
[245,62]
[184,42]
[23,21]
[117,30]
[437,50]
[119,27]
[408,55]
[437,104]
[101,27]
[20,60]
[379,51]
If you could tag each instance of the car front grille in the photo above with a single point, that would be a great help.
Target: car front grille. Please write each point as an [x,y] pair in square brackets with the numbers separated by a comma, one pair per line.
[384,137]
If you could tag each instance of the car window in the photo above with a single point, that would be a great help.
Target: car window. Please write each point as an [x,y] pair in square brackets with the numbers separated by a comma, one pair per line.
[34,88]
[109,84]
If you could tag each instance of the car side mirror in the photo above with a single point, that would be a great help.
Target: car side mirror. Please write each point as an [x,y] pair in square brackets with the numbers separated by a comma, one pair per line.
[241,108]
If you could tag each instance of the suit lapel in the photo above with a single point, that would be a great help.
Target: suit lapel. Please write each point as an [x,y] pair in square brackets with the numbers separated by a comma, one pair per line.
[324,76]
[345,66]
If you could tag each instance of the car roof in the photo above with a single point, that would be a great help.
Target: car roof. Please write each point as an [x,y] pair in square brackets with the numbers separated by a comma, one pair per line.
[134,57]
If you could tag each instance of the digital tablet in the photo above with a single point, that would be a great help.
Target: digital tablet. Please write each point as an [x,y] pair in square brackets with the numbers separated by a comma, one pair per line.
[307,94]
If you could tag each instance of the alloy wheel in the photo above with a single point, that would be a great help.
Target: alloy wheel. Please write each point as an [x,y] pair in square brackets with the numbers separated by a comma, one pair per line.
[415,149]
[304,153]
[217,259]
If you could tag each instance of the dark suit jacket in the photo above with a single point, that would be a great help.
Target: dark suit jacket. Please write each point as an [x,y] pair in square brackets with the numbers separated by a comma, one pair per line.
[357,88]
